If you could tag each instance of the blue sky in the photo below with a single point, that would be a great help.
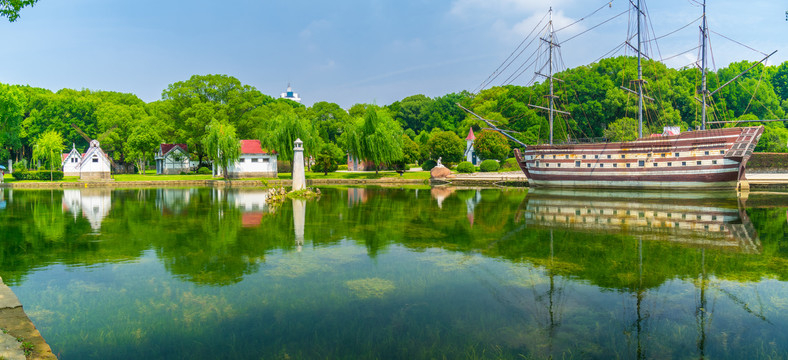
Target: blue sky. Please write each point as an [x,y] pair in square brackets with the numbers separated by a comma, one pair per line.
[345,52]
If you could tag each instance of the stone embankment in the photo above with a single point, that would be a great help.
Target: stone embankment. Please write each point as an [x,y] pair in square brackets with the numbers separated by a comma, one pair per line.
[19,339]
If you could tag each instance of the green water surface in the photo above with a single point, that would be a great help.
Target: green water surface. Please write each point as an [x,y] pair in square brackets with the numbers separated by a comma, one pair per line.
[389,273]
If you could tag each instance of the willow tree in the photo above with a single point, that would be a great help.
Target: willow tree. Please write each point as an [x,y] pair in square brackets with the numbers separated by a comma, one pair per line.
[47,150]
[376,138]
[222,144]
[284,129]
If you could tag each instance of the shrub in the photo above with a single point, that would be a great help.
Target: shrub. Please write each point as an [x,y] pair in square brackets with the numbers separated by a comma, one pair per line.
[37,175]
[428,165]
[204,171]
[489,165]
[342,167]
[465,167]
[510,163]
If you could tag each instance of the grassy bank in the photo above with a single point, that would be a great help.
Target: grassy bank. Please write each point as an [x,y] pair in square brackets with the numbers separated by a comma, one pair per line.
[421,175]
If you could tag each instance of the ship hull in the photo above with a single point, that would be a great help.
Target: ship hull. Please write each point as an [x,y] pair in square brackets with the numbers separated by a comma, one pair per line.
[710,159]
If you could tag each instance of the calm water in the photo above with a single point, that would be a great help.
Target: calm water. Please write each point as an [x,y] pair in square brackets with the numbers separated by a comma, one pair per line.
[399,273]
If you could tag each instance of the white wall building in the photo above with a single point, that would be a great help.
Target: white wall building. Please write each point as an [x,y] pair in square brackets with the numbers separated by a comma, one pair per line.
[254,162]
[70,162]
[289,94]
[95,164]
[172,159]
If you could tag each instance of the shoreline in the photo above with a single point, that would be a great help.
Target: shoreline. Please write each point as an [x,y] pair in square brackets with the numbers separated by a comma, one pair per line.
[756,180]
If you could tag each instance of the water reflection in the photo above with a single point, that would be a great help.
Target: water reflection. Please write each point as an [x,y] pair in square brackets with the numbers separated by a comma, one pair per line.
[700,219]
[299,213]
[93,204]
[173,201]
[2,199]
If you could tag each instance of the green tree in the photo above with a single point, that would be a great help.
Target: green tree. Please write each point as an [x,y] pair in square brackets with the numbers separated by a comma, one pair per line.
[624,129]
[10,8]
[376,138]
[325,161]
[447,146]
[222,144]
[12,107]
[410,150]
[48,150]
[284,129]
[492,145]
[142,142]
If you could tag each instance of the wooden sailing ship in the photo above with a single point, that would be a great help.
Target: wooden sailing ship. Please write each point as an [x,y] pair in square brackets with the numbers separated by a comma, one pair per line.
[704,158]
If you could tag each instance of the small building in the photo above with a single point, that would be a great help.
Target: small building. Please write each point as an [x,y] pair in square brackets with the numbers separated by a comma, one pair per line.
[254,162]
[172,159]
[95,164]
[470,152]
[70,162]
[289,94]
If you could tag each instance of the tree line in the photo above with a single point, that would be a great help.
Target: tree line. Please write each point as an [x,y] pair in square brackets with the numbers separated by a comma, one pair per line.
[205,110]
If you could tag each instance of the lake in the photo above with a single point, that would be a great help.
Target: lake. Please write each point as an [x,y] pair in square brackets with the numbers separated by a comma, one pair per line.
[399,273]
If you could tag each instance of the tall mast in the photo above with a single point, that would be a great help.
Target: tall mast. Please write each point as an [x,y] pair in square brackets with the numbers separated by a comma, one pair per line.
[703,71]
[640,79]
[550,77]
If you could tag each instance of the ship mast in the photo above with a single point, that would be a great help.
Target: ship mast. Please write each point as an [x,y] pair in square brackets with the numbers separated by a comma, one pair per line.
[550,75]
[640,78]
[703,90]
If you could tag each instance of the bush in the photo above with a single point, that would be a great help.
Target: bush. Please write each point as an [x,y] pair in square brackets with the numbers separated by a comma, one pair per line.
[342,167]
[428,165]
[510,164]
[37,175]
[466,167]
[204,171]
[489,165]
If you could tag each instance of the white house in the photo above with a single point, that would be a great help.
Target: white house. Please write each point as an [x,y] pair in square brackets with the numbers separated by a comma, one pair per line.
[172,159]
[70,162]
[470,152]
[93,204]
[95,164]
[254,161]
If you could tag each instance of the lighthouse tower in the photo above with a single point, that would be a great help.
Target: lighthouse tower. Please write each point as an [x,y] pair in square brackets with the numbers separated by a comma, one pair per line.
[289,94]
[470,153]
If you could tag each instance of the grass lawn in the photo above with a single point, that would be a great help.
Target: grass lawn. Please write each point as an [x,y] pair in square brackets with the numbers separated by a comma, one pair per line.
[422,175]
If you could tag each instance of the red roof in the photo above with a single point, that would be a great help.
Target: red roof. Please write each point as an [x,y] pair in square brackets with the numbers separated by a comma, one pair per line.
[470,135]
[165,148]
[253,147]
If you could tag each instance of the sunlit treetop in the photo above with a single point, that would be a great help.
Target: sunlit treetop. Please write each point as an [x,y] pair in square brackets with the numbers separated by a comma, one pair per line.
[10,8]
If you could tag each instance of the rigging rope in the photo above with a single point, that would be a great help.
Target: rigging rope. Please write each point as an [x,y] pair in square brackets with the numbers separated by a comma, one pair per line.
[758,51]
[608,4]
[595,26]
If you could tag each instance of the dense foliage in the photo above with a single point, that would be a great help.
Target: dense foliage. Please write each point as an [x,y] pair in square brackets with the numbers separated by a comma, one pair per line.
[466,167]
[415,129]
[489,165]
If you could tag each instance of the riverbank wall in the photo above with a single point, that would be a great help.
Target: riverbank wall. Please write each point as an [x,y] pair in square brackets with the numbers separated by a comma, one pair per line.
[19,338]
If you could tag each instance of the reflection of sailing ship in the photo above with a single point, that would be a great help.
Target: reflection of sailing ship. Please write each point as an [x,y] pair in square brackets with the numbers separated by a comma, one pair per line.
[684,218]
[93,204]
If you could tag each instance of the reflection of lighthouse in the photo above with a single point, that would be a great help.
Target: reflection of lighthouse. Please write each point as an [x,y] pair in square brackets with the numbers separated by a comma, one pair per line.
[94,204]
[470,205]
[299,213]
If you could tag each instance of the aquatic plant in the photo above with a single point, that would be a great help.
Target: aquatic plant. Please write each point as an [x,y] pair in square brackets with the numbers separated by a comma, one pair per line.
[370,287]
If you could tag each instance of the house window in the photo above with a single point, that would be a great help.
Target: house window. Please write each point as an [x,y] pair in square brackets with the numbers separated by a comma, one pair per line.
[242,160]
[95,159]
[265,160]
[577,163]
[254,160]
[641,163]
